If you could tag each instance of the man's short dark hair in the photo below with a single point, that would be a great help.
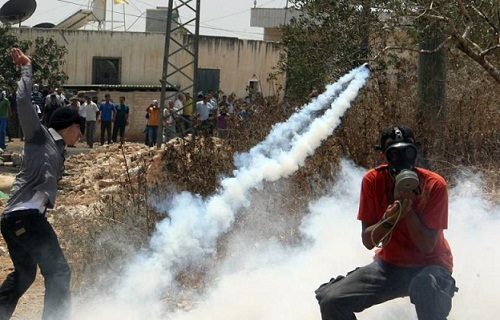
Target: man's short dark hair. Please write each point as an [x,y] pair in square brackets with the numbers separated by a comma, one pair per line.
[390,133]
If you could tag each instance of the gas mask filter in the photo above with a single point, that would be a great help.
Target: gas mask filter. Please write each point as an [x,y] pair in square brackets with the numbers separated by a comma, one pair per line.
[401,157]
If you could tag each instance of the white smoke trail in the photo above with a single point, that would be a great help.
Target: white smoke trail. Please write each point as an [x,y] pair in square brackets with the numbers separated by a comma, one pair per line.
[195,225]
[280,137]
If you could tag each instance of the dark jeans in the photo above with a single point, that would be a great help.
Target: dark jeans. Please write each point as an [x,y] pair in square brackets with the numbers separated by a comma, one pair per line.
[105,126]
[3,128]
[119,127]
[186,121]
[90,133]
[15,130]
[152,132]
[32,241]
[430,289]
[82,125]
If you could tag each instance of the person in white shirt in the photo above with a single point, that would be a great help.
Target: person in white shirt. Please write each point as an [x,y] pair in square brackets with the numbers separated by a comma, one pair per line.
[83,115]
[203,109]
[90,118]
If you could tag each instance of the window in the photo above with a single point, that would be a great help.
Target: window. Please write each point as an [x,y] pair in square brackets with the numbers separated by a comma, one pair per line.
[106,70]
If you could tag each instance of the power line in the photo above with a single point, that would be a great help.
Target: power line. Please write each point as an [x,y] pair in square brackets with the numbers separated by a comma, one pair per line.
[141,16]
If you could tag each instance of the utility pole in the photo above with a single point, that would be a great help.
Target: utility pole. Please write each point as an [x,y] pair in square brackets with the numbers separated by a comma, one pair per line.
[181,53]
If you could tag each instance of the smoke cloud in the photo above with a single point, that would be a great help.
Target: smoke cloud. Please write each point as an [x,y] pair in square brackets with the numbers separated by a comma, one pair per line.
[262,278]
[273,281]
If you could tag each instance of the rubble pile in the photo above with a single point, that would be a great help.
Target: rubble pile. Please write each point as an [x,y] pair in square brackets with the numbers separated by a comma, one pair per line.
[102,171]
[88,176]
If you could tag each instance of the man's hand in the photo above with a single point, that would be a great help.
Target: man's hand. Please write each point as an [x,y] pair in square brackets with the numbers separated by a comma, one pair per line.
[20,59]
[393,210]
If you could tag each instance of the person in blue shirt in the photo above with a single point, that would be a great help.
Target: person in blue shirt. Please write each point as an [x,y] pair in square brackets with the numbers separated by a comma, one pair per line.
[107,112]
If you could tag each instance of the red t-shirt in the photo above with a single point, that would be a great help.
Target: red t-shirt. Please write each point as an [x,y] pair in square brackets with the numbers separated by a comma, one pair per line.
[431,206]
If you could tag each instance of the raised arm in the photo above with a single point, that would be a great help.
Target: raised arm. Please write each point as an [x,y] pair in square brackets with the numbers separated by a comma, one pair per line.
[28,117]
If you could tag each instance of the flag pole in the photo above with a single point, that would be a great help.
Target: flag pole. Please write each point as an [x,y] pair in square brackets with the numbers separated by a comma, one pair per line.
[112,15]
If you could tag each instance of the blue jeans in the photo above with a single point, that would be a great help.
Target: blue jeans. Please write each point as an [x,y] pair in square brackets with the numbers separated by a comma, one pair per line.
[3,128]
[31,242]
[152,132]
[430,289]
[170,132]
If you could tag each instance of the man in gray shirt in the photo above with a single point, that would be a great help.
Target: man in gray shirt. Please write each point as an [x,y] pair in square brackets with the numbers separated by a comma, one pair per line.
[30,238]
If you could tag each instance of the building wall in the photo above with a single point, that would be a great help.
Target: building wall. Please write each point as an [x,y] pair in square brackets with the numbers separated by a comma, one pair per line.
[141,55]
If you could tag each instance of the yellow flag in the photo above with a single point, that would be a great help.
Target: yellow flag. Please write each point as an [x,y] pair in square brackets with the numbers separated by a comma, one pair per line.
[120,1]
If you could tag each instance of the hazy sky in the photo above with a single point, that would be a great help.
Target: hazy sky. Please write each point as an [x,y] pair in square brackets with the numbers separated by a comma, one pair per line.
[218,17]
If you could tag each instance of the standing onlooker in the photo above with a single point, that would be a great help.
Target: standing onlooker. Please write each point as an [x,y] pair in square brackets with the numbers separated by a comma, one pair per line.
[230,103]
[213,99]
[30,238]
[153,116]
[60,97]
[37,109]
[106,116]
[187,112]
[38,97]
[75,105]
[121,120]
[203,108]
[223,102]
[91,110]
[169,117]
[213,111]
[82,114]
[50,108]
[243,116]
[15,128]
[178,108]
[4,115]
[222,126]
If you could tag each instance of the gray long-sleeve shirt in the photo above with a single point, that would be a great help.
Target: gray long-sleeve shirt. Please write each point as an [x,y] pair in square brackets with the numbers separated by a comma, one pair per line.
[43,162]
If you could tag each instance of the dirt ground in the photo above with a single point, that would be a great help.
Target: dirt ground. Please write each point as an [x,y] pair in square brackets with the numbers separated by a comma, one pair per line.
[79,186]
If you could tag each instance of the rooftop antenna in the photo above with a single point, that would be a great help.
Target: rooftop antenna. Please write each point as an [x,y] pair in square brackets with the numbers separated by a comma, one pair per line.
[255,3]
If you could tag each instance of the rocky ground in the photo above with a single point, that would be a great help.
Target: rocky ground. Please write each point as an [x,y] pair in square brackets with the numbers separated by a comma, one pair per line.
[89,175]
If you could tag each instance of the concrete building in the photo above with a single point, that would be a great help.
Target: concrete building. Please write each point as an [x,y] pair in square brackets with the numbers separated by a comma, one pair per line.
[131,64]
[271,19]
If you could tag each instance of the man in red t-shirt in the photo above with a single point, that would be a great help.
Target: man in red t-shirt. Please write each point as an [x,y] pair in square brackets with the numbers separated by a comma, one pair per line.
[403,211]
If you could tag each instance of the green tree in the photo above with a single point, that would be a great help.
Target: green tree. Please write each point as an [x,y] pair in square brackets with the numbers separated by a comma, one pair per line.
[9,74]
[46,54]
[327,39]
[471,26]
[48,58]
[330,36]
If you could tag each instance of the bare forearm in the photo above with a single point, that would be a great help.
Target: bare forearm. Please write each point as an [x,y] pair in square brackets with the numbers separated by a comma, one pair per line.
[371,236]
[424,238]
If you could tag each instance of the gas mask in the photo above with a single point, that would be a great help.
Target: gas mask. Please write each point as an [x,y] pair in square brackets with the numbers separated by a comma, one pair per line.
[402,157]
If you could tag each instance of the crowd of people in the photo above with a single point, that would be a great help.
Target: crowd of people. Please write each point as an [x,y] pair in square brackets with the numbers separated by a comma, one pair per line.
[182,115]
